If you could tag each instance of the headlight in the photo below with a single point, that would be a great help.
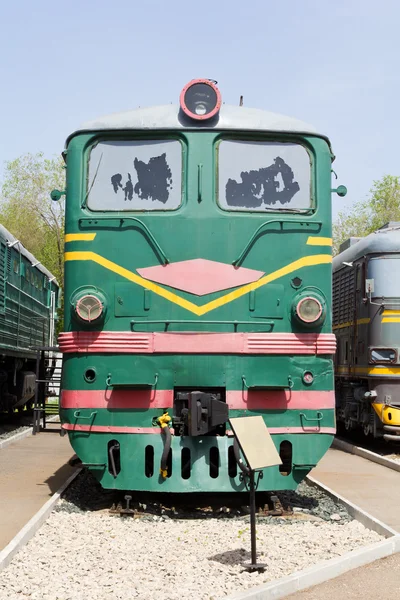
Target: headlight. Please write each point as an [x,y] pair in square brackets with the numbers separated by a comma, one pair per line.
[309,309]
[89,308]
[200,99]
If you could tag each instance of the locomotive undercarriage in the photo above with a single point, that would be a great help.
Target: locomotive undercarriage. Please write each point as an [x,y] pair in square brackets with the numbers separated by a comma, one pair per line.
[369,405]
[17,383]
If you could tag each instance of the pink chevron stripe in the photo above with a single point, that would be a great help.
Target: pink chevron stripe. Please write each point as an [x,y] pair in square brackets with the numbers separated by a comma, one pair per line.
[196,342]
[249,399]
[157,430]
[200,276]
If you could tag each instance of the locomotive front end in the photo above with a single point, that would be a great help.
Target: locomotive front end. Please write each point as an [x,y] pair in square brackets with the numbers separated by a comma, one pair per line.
[197,289]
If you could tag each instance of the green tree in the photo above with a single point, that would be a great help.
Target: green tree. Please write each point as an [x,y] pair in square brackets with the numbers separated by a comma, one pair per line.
[27,211]
[382,206]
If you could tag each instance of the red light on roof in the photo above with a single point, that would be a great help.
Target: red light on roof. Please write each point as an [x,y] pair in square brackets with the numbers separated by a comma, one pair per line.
[200,99]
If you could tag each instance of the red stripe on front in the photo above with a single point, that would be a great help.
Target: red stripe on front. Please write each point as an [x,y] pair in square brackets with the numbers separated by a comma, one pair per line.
[280,399]
[196,342]
[111,429]
[157,430]
[249,399]
[117,398]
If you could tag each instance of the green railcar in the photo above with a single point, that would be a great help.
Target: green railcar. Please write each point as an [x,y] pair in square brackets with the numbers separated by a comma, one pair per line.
[28,302]
[197,289]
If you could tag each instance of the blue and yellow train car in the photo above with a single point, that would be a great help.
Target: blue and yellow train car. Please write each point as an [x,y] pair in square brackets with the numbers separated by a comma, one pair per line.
[366,320]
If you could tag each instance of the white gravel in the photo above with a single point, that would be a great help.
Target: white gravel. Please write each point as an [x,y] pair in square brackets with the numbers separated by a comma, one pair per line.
[95,556]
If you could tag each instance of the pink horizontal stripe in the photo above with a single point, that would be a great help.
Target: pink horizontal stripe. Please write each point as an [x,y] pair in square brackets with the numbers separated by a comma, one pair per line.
[249,399]
[280,399]
[157,430]
[111,429]
[196,342]
[117,398]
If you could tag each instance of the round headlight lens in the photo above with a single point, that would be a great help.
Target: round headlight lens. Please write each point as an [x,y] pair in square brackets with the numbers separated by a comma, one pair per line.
[89,308]
[309,309]
[200,99]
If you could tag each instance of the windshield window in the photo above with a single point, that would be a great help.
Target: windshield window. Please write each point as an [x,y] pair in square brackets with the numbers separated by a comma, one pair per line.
[385,271]
[262,176]
[135,175]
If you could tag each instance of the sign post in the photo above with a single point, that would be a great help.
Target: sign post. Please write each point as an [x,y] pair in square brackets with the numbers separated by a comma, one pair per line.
[253,439]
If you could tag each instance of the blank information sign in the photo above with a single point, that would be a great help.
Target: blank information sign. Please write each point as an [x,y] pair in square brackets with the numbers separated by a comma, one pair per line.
[255,442]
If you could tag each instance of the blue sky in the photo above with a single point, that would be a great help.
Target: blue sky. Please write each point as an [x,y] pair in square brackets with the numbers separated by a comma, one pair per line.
[334,64]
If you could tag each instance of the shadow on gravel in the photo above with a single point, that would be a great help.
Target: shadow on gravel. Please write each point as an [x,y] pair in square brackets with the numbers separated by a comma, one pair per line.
[232,557]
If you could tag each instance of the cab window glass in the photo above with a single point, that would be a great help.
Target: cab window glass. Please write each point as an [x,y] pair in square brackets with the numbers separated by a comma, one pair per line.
[263,176]
[135,175]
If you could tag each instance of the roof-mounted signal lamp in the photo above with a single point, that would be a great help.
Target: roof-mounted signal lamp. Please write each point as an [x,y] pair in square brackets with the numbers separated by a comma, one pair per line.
[200,99]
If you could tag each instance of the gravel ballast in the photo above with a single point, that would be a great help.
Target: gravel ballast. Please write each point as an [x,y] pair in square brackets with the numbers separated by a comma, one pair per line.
[80,554]
[6,434]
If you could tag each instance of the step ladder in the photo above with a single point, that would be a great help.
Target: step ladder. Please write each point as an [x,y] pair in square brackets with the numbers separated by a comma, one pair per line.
[48,385]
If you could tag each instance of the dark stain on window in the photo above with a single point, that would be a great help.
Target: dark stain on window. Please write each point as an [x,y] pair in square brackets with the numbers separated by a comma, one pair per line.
[116,181]
[128,189]
[154,179]
[262,186]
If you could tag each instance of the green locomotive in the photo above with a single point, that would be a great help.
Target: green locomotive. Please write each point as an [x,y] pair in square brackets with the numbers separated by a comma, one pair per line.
[197,288]
[28,303]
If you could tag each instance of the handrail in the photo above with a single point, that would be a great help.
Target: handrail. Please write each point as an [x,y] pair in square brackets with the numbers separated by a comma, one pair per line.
[168,322]
[281,222]
[122,219]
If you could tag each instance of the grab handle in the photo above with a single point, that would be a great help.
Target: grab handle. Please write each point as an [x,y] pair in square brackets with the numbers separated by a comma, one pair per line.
[318,418]
[77,415]
[110,383]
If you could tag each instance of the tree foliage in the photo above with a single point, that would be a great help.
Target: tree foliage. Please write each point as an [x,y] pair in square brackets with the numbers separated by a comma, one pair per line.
[382,206]
[27,211]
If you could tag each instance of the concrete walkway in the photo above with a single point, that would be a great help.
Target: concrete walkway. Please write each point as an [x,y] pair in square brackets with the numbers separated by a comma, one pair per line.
[31,470]
[375,489]
[377,581]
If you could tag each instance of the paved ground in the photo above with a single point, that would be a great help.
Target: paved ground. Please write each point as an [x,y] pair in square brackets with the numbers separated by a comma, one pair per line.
[31,470]
[375,489]
[378,581]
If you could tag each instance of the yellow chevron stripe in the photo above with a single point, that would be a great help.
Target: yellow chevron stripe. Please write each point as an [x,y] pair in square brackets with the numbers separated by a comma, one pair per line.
[319,241]
[305,261]
[79,237]
[391,313]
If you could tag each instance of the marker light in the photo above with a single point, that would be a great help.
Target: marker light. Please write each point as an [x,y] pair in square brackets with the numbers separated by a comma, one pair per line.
[308,377]
[309,309]
[89,308]
[200,99]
